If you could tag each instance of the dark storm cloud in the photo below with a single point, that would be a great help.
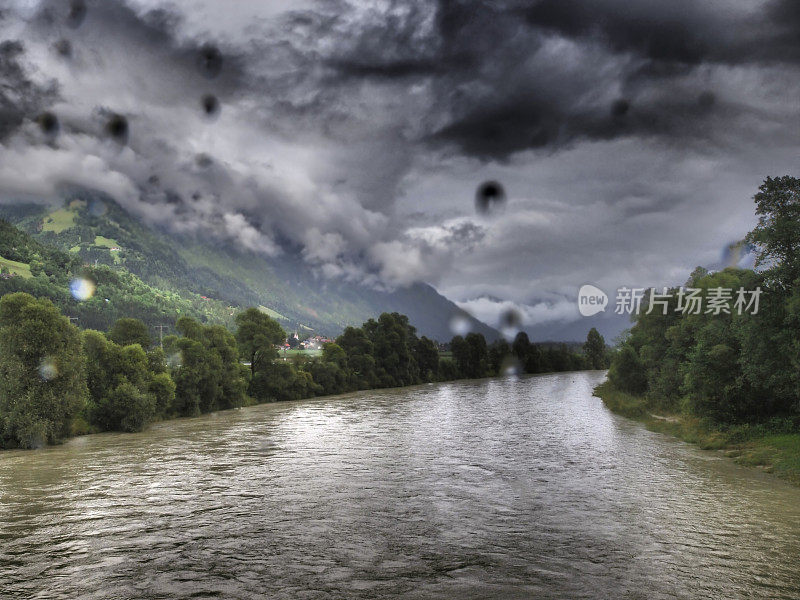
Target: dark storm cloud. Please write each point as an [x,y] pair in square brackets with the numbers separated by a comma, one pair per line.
[151,33]
[20,96]
[357,132]
[496,98]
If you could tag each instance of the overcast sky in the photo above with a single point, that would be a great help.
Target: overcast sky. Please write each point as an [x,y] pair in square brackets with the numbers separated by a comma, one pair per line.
[629,136]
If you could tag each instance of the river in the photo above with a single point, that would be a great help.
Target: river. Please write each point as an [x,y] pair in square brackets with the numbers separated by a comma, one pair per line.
[507,488]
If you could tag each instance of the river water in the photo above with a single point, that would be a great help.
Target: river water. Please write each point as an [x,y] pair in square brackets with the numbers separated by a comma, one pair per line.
[507,488]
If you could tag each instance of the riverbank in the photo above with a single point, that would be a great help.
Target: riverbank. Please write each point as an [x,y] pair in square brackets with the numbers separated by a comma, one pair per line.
[772,448]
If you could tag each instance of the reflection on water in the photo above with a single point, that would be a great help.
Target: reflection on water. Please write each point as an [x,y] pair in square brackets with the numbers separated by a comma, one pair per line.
[506,489]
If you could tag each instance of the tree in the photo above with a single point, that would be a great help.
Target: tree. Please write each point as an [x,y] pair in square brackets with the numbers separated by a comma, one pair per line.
[279,381]
[329,375]
[627,372]
[595,350]
[334,353]
[162,388]
[42,376]
[360,359]
[529,355]
[208,376]
[499,353]
[471,355]
[257,335]
[119,380]
[128,331]
[426,354]
[127,408]
[777,235]
[393,339]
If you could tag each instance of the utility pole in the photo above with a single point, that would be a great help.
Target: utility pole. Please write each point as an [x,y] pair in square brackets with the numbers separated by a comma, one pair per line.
[161,334]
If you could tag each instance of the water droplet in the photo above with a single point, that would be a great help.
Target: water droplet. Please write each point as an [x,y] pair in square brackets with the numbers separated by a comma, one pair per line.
[49,124]
[511,319]
[211,106]
[77,13]
[117,128]
[81,288]
[48,370]
[460,325]
[97,208]
[63,48]
[620,107]
[209,61]
[490,195]
[511,366]
[706,100]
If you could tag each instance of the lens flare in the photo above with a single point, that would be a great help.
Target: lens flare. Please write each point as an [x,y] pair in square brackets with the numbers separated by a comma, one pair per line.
[48,369]
[175,360]
[81,288]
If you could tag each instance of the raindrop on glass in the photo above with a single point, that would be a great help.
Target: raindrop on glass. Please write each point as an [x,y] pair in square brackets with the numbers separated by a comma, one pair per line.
[63,48]
[117,128]
[490,195]
[460,325]
[209,61]
[620,108]
[203,160]
[211,106]
[706,100]
[49,124]
[76,14]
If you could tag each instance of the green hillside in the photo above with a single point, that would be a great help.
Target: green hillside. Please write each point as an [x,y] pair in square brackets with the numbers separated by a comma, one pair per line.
[14,267]
[111,293]
[94,230]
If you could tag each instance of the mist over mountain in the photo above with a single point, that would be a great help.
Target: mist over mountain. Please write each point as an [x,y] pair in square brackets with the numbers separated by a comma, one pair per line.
[91,225]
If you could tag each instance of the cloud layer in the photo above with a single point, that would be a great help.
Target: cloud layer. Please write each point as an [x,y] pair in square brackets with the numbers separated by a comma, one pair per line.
[629,137]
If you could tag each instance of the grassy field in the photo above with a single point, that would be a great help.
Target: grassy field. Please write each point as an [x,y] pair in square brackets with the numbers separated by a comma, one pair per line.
[272,313]
[296,352]
[59,220]
[18,268]
[104,242]
[772,447]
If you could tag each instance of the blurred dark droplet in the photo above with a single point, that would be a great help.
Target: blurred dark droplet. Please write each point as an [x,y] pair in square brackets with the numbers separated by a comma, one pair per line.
[706,100]
[117,128]
[153,180]
[49,124]
[77,13]
[209,60]
[490,194]
[203,160]
[511,319]
[540,138]
[620,108]
[97,208]
[211,106]
[63,48]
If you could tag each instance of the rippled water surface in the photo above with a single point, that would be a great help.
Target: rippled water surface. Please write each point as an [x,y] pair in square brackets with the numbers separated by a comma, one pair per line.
[516,488]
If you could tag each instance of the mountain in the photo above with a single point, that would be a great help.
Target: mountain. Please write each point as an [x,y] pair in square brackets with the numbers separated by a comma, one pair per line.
[608,324]
[92,227]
